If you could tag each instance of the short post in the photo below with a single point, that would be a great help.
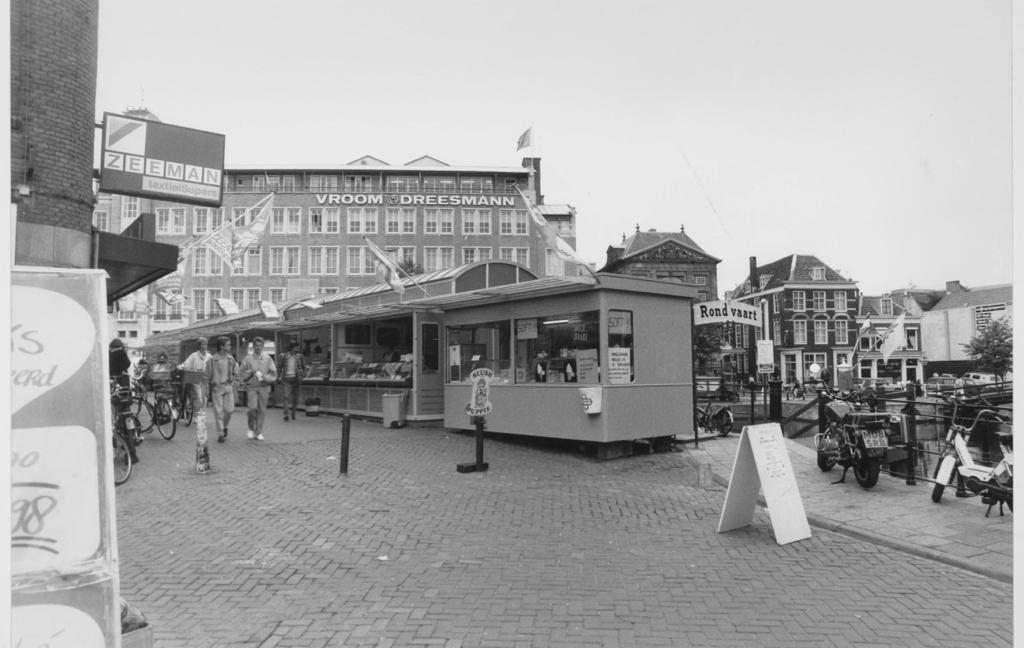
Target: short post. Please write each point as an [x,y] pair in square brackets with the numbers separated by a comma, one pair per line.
[911,411]
[346,424]
[753,397]
[480,465]
[822,417]
[775,400]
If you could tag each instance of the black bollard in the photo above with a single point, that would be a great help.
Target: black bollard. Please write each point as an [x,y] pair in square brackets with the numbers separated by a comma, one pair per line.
[346,424]
[775,400]
[480,465]
[911,411]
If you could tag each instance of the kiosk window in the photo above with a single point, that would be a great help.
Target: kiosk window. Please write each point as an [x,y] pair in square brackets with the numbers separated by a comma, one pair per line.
[481,345]
[558,348]
[620,347]
[430,333]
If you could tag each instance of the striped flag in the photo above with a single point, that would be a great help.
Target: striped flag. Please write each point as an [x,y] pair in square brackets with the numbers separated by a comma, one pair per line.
[386,266]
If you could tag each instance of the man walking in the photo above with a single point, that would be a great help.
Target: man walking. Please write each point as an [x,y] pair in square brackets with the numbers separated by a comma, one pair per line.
[257,373]
[291,369]
[221,373]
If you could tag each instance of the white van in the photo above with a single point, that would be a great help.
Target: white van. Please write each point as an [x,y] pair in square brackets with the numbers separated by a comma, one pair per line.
[980,378]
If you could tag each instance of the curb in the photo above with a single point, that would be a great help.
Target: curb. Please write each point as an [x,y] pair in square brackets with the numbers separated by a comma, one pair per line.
[827,524]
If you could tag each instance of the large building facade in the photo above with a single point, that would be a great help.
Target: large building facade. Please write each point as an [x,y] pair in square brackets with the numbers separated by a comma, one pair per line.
[665,255]
[427,213]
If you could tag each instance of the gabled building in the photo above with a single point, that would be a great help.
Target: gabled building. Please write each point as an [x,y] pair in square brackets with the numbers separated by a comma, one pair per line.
[665,255]
[812,312]
[879,312]
[956,318]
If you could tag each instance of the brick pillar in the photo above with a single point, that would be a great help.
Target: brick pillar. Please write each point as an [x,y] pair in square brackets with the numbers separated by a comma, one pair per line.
[53,106]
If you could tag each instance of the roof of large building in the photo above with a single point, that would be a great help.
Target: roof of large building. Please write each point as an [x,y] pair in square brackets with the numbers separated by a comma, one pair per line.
[980,296]
[369,162]
[792,268]
[871,306]
[643,241]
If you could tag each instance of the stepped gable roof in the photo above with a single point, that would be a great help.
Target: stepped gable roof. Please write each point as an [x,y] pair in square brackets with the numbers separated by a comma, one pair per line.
[981,296]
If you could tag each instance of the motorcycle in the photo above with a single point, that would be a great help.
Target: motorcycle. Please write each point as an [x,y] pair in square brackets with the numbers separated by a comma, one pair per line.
[715,418]
[993,483]
[853,439]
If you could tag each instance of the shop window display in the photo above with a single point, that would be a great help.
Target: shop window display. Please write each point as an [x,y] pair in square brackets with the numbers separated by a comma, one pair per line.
[479,346]
[377,354]
[558,349]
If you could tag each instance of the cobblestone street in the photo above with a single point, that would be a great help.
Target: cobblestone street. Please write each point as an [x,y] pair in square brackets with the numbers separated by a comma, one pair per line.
[547,548]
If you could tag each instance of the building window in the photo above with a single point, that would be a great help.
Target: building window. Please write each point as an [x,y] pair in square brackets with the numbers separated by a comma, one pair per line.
[865,368]
[323,183]
[764,280]
[205,302]
[240,216]
[401,254]
[324,220]
[476,221]
[324,260]
[439,184]
[842,331]
[472,254]
[362,220]
[129,209]
[403,184]
[799,301]
[278,295]
[799,331]
[518,255]
[163,221]
[287,183]
[200,220]
[820,331]
[438,258]
[818,299]
[512,222]
[284,260]
[360,261]
[360,183]
[775,302]
[400,220]
[251,263]
[777,331]
[700,280]
[438,221]
[328,290]
[286,220]
[205,262]
[818,274]
[840,296]
[912,341]
[476,185]
[886,306]
[814,358]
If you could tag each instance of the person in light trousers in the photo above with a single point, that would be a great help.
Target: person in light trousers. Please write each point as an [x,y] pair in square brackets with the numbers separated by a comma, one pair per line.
[257,373]
[222,373]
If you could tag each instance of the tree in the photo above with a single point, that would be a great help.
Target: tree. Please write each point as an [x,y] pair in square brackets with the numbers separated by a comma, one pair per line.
[409,266]
[707,343]
[992,348]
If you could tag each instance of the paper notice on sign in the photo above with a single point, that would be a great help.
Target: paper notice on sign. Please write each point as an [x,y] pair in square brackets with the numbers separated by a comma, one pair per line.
[762,462]
[587,366]
[620,366]
[526,329]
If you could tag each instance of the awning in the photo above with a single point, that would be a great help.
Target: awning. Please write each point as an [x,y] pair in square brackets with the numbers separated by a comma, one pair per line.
[133,263]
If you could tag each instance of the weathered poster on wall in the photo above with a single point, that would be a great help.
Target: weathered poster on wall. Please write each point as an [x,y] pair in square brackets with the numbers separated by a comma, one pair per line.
[63,573]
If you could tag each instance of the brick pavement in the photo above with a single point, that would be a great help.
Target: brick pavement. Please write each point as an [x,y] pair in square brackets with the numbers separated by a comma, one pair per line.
[547,548]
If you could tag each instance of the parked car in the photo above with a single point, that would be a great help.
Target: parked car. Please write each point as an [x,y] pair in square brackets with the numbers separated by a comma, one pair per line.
[980,378]
[946,384]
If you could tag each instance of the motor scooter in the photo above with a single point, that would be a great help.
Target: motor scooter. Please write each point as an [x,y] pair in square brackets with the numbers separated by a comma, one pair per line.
[853,439]
[993,483]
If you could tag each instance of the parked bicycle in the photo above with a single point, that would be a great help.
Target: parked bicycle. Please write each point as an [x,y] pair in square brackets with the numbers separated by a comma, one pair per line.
[715,418]
[126,431]
[174,401]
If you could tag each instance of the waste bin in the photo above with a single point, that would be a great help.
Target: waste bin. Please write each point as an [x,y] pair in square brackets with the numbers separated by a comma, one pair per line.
[394,409]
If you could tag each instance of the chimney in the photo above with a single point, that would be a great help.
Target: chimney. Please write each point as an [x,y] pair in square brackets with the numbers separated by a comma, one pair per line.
[534,163]
[954,287]
[613,254]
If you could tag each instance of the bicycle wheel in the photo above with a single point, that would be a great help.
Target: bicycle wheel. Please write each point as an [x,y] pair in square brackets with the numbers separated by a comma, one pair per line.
[188,407]
[166,425]
[143,411]
[122,460]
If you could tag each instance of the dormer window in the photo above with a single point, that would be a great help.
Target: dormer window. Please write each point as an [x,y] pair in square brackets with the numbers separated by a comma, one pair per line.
[818,274]
[764,280]
[886,306]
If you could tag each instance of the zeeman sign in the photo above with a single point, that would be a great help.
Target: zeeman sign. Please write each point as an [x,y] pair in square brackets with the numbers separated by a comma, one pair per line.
[151,159]
[719,312]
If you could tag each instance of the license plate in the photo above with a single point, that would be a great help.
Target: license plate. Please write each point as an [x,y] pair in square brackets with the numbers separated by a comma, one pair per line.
[874,439]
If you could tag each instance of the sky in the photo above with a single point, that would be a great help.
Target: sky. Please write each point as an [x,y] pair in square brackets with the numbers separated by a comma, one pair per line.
[875,135]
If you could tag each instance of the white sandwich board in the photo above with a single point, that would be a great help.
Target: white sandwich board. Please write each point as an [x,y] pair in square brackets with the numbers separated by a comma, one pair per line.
[762,462]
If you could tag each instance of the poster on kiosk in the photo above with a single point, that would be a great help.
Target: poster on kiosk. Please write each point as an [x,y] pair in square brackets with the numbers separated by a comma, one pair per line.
[64,587]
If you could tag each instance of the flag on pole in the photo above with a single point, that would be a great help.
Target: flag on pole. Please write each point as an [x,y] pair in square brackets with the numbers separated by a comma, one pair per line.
[387,267]
[895,337]
[220,239]
[864,328]
[554,242]
[251,234]
[171,298]
[524,139]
